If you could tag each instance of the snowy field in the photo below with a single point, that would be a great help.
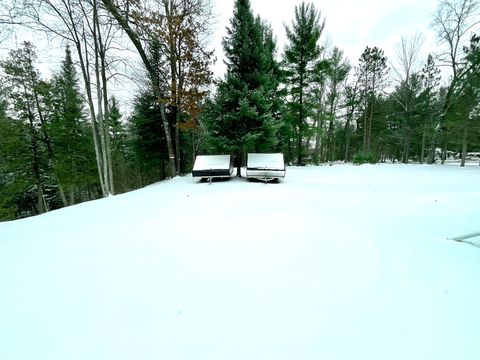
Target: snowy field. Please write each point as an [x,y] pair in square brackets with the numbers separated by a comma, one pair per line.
[333,262]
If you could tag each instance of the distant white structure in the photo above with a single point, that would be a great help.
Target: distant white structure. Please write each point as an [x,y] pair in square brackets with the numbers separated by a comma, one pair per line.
[265,167]
[213,166]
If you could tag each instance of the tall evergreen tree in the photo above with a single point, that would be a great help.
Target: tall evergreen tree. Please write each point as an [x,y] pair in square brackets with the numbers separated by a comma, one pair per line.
[124,174]
[14,160]
[147,143]
[24,87]
[242,116]
[301,56]
[429,108]
[467,93]
[371,73]
[74,157]
[337,72]
[147,139]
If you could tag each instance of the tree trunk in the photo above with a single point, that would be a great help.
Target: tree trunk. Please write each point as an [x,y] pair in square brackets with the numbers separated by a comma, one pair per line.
[62,195]
[177,141]
[464,141]
[365,102]
[300,124]
[424,138]
[106,132]
[72,195]
[406,143]
[347,138]
[331,125]
[365,132]
[431,154]
[173,39]
[171,154]
[86,79]
[370,122]
[347,145]
[318,135]
[36,163]
[100,116]
[134,37]
[46,137]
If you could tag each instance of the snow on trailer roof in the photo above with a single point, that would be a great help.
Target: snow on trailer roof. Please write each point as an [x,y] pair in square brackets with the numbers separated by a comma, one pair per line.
[210,166]
[266,161]
[211,162]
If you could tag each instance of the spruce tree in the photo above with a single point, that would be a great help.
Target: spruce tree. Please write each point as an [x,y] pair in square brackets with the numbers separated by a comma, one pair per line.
[74,157]
[147,143]
[302,54]
[124,180]
[243,116]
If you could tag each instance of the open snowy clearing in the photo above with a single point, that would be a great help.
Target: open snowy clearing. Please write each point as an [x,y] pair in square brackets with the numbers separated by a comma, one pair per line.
[340,262]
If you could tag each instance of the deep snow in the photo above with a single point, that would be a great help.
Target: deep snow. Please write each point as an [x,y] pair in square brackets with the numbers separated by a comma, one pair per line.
[340,262]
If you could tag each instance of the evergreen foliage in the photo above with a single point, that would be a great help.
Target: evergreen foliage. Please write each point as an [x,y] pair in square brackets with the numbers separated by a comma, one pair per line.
[301,62]
[148,147]
[360,158]
[371,74]
[73,149]
[14,164]
[48,156]
[244,114]
[25,89]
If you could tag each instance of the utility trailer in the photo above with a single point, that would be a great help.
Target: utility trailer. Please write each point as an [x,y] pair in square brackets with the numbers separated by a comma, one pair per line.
[212,166]
[265,167]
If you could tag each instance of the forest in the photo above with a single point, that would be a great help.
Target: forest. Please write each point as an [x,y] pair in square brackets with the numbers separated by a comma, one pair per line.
[64,139]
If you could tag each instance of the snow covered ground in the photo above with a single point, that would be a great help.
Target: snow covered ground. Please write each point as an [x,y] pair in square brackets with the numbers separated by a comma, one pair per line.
[340,262]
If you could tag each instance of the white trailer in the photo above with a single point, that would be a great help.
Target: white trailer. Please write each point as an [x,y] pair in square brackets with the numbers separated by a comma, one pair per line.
[213,166]
[265,167]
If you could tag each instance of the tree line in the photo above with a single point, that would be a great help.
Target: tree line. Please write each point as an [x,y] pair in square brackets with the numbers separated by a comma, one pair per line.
[64,140]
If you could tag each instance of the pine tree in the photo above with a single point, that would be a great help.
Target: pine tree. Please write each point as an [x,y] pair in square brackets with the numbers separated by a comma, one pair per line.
[74,157]
[24,86]
[14,159]
[147,143]
[301,56]
[123,174]
[371,73]
[467,94]
[147,139]
[337,72]
[243,116]
[429,108]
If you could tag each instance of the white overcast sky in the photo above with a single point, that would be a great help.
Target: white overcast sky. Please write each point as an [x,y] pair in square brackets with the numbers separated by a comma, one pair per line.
[351,25]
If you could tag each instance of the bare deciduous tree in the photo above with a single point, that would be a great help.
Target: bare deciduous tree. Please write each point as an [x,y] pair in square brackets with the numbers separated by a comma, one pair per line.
[407,66]
[78,22]
[178,27]
[454,21]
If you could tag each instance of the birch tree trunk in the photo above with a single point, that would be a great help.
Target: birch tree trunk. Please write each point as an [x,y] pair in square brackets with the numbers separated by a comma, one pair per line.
[106,111]
[100,117]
